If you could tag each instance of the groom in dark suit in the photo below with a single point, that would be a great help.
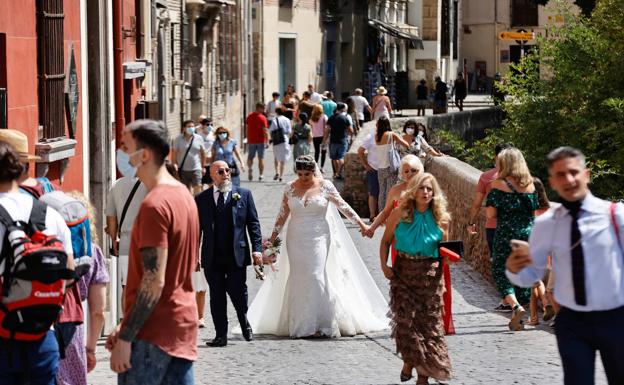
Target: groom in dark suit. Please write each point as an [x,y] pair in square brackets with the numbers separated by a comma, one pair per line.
[225,212]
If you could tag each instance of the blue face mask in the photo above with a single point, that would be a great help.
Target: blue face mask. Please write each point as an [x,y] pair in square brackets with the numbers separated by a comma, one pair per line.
[223,136]
[123,164]
[190,130]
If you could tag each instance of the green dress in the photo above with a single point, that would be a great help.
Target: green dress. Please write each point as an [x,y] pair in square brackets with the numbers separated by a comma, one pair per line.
[302,132]
[515,214]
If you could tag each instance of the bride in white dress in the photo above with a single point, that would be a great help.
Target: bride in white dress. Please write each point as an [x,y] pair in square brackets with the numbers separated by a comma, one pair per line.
[322,287]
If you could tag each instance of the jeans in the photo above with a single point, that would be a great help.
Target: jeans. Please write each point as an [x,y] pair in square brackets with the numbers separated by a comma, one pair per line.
[152,366]
[581,334]
[37,361]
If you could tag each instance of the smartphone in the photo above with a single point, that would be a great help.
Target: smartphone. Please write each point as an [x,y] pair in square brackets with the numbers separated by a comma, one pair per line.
[515,244]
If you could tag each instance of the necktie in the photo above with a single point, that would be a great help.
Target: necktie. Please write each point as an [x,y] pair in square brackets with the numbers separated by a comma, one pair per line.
[220,202]
[576,251]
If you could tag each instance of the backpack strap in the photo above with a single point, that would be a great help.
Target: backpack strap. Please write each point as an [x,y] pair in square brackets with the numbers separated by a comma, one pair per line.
[615,225]
[38,215]
[127,204]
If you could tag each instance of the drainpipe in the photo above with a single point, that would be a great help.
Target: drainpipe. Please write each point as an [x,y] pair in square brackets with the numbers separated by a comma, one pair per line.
[120,119]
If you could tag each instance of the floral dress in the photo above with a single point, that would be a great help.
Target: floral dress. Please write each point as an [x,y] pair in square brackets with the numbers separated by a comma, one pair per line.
[302,133]
[515,214]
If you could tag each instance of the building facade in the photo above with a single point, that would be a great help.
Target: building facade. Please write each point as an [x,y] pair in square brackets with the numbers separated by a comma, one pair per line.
[484,51]
[43,85]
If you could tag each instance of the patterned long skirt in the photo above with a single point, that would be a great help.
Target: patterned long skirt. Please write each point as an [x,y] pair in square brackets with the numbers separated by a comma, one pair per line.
[416,313]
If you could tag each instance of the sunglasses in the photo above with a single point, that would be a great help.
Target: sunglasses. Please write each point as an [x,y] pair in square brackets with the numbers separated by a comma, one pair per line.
[411,170]
[223,171]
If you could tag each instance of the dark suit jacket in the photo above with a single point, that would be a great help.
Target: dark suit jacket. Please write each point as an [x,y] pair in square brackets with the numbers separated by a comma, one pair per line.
[245,218]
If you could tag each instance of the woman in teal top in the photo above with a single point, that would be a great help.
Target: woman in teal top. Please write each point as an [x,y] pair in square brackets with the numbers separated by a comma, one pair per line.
[512,201]
[416,280]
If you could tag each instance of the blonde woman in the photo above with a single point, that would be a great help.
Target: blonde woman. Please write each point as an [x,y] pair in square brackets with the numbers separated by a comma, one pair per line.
[416,279]
[410,167]
[512,201]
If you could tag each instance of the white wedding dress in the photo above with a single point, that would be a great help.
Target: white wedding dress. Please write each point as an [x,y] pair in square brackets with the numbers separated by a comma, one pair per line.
[322,287]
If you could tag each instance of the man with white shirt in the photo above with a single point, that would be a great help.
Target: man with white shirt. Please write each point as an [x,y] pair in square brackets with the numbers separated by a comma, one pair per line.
[360,104]
[315,97]
[584,238]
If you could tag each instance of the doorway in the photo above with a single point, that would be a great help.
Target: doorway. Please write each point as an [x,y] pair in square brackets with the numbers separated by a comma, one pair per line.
[287,63]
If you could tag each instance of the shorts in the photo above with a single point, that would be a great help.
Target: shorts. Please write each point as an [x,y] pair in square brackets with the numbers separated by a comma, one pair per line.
[372,183]
[255,148]
[190,178]
[337,151]
[122,263]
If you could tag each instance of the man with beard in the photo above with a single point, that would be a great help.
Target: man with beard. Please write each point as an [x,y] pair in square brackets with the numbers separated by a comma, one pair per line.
[226,215]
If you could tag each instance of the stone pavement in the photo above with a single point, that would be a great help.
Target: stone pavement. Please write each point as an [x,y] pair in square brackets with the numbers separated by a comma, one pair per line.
[483,351]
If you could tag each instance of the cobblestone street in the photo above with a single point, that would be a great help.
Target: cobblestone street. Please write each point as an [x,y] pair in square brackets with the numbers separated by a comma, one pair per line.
[483,351]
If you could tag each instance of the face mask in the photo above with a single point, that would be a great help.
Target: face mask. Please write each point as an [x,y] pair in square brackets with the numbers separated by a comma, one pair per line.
[123,164]
[409,131]
[209,128]
[421,133]
[223,136]
[190,130]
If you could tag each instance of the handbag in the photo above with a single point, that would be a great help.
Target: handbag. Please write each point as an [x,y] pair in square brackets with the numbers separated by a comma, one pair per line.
[234,170]
[293,139]
[277,136]
[394,159]
[453,250]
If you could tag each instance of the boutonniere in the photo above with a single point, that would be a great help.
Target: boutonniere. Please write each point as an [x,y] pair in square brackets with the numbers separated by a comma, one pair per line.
[236,197]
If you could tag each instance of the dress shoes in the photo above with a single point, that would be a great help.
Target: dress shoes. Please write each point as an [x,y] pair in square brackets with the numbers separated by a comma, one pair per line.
[248,333]
[218,342]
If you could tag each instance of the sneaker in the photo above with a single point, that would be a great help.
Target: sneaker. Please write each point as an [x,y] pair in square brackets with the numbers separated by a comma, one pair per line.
[276,176]
[503,308]
[260,177]
[517,324]
[202,324]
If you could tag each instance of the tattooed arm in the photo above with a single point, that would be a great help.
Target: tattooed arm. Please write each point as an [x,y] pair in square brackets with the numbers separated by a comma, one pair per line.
[148,293]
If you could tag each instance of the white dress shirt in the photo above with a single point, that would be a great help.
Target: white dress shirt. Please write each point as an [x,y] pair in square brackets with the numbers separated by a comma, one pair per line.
[603,256]
[215,193]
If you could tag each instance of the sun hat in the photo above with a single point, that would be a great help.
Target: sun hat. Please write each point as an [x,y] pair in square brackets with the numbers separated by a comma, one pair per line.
[381,90]
[19,141]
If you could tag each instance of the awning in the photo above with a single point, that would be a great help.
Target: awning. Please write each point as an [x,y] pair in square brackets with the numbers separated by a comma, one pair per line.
[394,30]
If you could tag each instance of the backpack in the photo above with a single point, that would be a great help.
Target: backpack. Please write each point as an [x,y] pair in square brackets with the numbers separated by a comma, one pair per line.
[76,216]
[33,278]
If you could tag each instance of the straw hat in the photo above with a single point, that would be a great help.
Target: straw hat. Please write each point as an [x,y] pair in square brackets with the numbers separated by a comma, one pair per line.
[382,90]
[19,141]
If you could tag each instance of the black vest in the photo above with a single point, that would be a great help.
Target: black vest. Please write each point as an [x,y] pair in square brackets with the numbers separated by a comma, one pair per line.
[224,233]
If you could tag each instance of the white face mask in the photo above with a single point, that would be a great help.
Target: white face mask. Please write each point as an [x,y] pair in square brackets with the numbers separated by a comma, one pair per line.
[223,136]
[190,130]
[123,163]
[421,133]
[409,131]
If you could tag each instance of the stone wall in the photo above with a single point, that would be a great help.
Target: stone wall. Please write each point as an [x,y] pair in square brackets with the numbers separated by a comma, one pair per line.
[459,180]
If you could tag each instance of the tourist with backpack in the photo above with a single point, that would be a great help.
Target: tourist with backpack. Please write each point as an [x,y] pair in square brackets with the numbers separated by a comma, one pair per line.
[29,352]
[279,131]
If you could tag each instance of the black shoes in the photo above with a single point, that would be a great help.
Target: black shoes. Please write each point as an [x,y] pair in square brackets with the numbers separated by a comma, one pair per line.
[218,342]
[248,333]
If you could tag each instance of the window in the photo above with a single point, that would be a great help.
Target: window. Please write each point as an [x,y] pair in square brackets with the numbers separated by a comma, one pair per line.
[445,39]
[50,63]
[524,13]
[229,48]
[3,82]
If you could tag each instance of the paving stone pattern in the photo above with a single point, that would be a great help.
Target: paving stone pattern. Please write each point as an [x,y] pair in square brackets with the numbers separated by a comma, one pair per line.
[483,351]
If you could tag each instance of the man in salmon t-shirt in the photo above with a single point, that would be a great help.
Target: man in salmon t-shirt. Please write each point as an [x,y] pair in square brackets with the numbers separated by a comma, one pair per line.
[483,188]
[157,341]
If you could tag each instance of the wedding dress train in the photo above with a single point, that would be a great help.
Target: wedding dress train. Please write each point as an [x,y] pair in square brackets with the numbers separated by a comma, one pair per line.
[322,287]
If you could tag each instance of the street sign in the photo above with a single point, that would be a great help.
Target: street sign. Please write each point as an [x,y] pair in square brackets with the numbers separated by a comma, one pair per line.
[510,35]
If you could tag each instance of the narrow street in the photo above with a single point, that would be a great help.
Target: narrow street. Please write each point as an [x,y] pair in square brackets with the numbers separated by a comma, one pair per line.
[483,351]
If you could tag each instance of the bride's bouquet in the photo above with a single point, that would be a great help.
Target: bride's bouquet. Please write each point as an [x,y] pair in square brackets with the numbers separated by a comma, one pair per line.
[270,251]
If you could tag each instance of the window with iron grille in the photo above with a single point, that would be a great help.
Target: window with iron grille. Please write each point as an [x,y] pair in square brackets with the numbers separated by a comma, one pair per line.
[445,38]
[50,68]
[229,48]
[524,13]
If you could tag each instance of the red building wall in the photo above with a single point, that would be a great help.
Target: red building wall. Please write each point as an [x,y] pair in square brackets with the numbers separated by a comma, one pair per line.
[18,22]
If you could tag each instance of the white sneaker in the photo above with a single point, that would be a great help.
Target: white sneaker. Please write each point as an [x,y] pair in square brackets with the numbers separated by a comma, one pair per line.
[260,177]
[202,324]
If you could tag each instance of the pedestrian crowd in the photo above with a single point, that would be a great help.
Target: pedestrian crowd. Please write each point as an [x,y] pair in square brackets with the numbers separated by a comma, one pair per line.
[184,226]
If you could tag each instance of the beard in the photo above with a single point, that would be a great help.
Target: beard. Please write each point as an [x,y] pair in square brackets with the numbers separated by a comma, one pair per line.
[225,186]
